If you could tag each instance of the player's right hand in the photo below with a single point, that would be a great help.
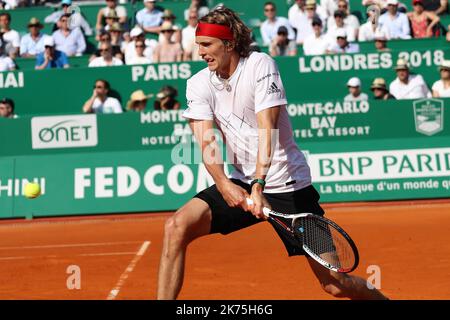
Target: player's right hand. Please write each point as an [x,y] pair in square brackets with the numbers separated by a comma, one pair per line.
[234,195]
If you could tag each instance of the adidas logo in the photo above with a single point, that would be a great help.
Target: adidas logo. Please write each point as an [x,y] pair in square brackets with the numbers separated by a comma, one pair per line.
[273,89]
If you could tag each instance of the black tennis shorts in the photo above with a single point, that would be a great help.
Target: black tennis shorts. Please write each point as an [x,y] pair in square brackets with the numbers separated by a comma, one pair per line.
[226,219]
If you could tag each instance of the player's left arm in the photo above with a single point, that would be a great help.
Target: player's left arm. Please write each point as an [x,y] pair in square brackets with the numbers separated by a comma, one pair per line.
[267,121]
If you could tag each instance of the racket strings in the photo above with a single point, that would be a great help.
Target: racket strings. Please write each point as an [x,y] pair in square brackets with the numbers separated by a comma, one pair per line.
[324,241]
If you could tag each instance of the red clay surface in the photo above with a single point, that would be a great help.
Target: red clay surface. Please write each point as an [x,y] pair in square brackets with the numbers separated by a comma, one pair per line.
[409,242]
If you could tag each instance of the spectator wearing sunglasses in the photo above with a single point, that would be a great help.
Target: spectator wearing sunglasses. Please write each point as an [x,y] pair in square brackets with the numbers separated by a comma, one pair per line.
[349,19]
[269,28]
[170,17]
[168,51]
[51,58]
[77,20]
[139,58]
[100,101]
[32,43]
[69,41]
[106,58]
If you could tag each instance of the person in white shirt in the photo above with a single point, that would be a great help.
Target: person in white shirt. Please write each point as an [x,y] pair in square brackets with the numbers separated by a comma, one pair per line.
[106,58]
[367,30]
[304,24]
[317,43]
[296,12]
[190,48]
[100,102]
[241,94]
[269,28]
[396,22]
[11,38]
[139,58]
[32,43]
[6,63]
[339,26]
[342,45]
[129,48]
[441,88]
[354,88]
[406,85]
[349,19]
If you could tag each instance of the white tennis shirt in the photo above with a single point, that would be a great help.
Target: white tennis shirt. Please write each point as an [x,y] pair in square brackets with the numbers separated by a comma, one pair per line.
[255,85]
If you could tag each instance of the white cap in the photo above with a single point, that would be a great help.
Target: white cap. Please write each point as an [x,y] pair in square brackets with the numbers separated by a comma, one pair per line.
[393,2]
[48,41]
[354,82]
[340,33]
[136,31]
[149,1]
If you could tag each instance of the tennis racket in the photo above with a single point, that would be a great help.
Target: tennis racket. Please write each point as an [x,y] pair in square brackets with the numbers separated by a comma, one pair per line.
[322,239]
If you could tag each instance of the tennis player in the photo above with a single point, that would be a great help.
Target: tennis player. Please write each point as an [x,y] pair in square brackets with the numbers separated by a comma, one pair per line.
[242,93]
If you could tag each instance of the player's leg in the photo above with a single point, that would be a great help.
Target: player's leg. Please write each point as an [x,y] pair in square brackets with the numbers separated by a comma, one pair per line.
[191,221]
[343,285]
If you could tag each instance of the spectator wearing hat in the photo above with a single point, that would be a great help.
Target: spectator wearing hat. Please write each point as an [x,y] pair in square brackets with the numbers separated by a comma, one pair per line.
[111,5]
[354,88]
[316,43]
[110,19]
[7,109]
[281,45]
[342,45]
[190,47]
[269,27]
[170,17]
[304,24]
[76,18]
[422,22]
[167,51]
[199,7]
[10,37]
[32,43]
[6,63]
[380,92]
[441,88]
[383,5]
[166,99]
[149,18]
[368,30]
[438,7]
[349,19]
[106,58]
[100,101]
[396,22]
[138,101]
[116,40]
[129,49]
[69,41]
[380,42]
[406,85]
[51,58]
[140,57]
[340,26]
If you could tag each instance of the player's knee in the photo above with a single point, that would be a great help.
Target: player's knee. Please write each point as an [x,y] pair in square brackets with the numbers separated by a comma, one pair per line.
[175,230]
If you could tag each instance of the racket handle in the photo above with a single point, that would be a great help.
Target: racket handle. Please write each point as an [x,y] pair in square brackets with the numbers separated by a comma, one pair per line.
[266,211]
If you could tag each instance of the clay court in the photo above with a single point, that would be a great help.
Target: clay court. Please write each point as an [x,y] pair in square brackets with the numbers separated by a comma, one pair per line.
[119,255]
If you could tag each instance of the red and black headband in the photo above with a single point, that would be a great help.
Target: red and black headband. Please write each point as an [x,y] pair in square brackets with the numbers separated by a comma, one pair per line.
[214,30]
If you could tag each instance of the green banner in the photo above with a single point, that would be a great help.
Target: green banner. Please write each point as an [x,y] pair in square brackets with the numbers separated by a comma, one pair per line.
[90,164]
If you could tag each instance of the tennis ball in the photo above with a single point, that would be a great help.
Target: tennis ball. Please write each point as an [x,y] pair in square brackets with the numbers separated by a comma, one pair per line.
[32,190]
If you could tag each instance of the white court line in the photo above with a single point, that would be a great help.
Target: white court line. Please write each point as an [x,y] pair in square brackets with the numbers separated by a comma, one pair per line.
[115,291]
[65,256]
[70,245]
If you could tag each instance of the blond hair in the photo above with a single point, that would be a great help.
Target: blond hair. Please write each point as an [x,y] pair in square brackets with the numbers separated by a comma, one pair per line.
[241,33]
